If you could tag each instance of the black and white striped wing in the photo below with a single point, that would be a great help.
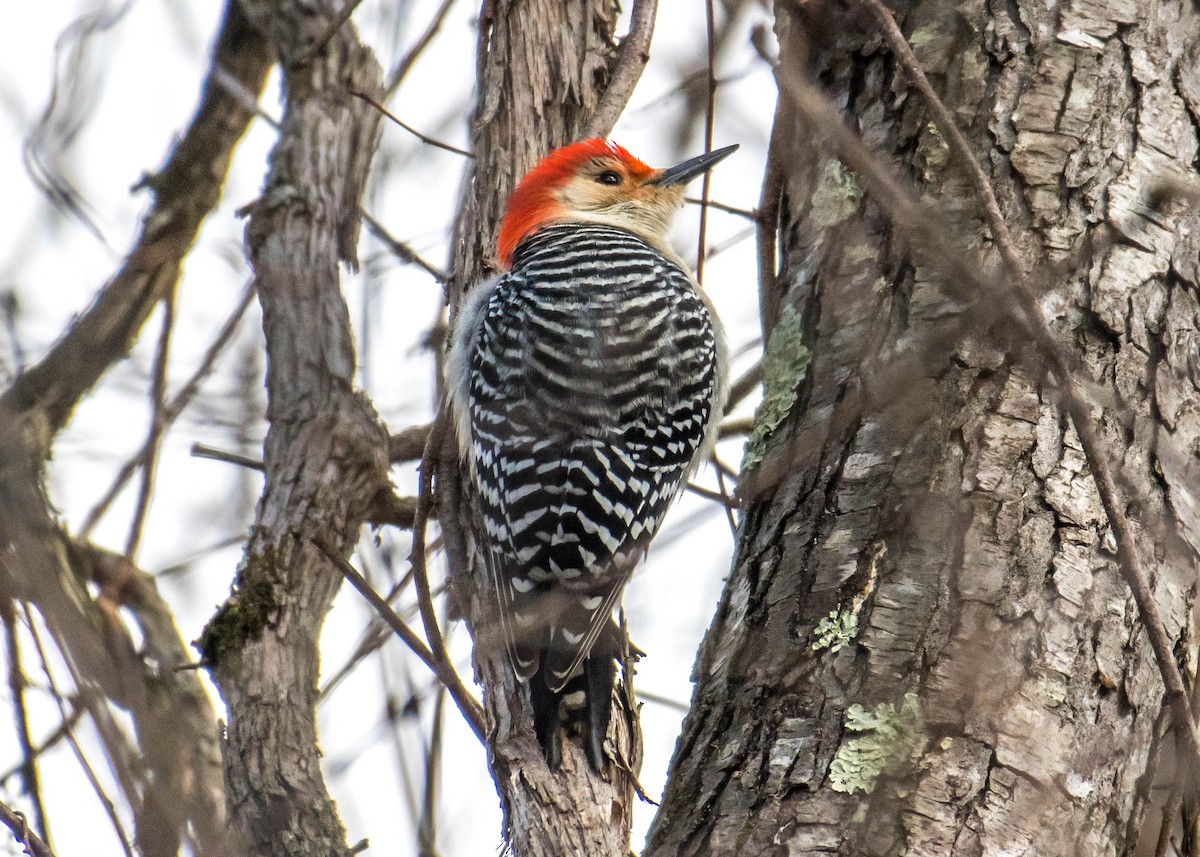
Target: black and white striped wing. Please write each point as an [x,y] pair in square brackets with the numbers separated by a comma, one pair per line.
[593,377]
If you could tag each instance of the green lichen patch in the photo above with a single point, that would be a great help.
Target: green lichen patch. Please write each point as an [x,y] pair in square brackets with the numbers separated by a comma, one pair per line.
[891,740]
[837,195]
[245,614]
[835,631]
[785,364]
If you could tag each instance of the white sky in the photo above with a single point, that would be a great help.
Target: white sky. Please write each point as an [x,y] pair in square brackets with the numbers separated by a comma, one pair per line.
[144,73]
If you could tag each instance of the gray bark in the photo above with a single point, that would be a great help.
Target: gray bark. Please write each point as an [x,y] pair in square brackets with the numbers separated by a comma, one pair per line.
[325,456]
[925,645]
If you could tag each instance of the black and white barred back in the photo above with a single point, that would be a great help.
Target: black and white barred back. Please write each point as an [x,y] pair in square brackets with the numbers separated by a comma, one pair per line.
[593,376]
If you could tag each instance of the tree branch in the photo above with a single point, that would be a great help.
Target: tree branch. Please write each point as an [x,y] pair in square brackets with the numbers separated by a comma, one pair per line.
[438,665]
[186,189]
[15,821]
[635,53]
[325,452]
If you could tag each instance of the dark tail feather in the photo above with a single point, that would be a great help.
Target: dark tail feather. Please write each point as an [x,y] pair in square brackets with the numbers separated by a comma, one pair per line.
[593,686]
[599,669]
[547,718]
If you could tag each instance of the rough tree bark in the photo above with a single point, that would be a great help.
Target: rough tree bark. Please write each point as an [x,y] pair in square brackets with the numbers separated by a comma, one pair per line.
[925,645]
[542,67]
[325,455]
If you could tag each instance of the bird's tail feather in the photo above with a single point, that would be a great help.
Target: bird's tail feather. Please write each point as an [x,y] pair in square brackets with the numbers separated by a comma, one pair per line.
[584,700]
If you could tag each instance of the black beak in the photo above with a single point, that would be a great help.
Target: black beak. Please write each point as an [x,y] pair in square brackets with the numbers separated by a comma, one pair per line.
[689,169]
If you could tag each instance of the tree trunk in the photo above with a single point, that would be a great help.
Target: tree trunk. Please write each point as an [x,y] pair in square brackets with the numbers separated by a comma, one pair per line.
[926,645]
[325,455]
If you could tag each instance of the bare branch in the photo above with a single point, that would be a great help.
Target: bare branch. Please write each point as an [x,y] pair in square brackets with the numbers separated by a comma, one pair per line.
[15,821]
[710,107]
[171,412]
[443,669]
[720,206]
[89,772]
[200,450]
[16,686]
[408,444]
[339,20]
[401,250]
[1030,316]
[404,66]
[950,130]
[51,740]
[158,392]
[186,189]
[427,140]
[744,386]
[635,53]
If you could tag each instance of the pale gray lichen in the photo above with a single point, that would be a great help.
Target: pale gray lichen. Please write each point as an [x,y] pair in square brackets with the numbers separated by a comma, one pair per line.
[785,364]
[937,151]
[835,631]
[891,739]
[837,195]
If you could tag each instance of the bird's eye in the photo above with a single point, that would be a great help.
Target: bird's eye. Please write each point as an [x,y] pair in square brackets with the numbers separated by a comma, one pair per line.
[609,177]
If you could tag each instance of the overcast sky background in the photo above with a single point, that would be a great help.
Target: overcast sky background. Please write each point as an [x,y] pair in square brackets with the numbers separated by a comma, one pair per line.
[120,108]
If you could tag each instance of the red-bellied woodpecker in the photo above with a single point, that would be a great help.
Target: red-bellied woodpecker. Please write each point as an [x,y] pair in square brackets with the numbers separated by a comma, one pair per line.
[586,382]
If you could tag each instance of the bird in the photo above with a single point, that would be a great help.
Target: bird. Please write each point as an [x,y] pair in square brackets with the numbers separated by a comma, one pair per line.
[586,382]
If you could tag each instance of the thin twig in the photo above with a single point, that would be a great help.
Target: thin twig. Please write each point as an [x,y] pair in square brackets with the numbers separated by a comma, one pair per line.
[404,66]
[401,250]
[736,428]
[186,190]
[371,640]
[51,740]
[16,687]
[720,206]
[1086,427]
[445,672]
[706,493]
[158,395]
[717,249]
[635,53]
[726,501]
[1169,812]
[321,41]
[427,824]
[417,558]
[15,821]
[200,450]
[665,701]
[89,773]
[429,141]
[723,468]
[171,412]
[1181,801]
[744,386]
[709,118]
[949,129]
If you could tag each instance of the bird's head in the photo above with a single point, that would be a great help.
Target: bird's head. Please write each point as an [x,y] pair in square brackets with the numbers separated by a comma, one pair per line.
[596,181]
